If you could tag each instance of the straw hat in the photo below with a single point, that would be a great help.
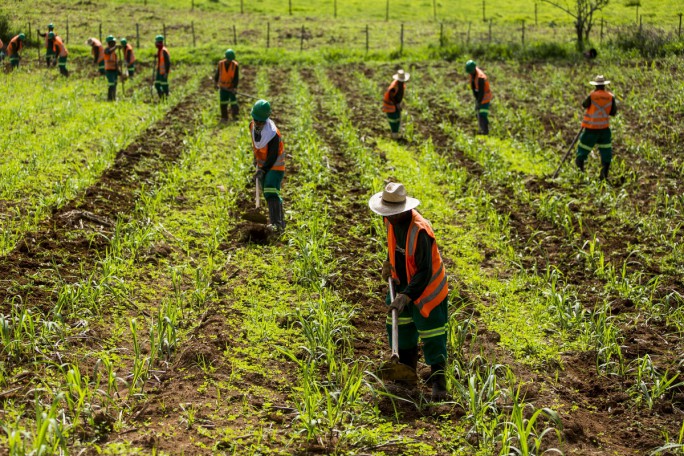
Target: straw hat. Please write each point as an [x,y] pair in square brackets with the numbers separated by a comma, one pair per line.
[402,76]
[392,200]
[599,81]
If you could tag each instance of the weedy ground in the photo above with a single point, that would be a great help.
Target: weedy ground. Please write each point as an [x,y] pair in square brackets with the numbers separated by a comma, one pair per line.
[141,315]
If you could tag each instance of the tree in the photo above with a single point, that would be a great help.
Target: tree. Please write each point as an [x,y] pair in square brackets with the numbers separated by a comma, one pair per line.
[583,12]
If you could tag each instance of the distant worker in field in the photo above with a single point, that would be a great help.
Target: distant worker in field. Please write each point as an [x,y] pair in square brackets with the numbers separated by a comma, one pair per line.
[2,51]
[61,52]
[600,106]
[227,77]
[111,66]
[483,95]
[14,47]
[416,267]
[269,158]
[98,54]
[162,68]
[392,102]
[128,57]
[50,56]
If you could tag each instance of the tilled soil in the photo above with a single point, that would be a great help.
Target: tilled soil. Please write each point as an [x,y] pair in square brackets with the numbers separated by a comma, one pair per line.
[596,414]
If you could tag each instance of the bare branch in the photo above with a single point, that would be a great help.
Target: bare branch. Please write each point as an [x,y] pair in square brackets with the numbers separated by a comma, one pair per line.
[566,9]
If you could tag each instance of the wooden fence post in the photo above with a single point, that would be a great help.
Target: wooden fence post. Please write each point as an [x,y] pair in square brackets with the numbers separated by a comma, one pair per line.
[601,31]
[301,42]
[680,25]
[242,7]
[468,35]
[192,25]
[290,6]
[523,32]
[490,30]
[536,19]
[37,38]
[100,32]
[192,8]
[234,35]
[166,39]
[367,39]
[401,48]
[268,35]
[335,8]
[434,9]
[484,17]
[387,12]
[67,31]
[441,34]
[641,23]
[137,35]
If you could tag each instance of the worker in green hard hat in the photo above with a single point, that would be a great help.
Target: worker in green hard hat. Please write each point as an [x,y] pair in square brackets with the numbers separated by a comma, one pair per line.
[50,56]
[269,159]
[61,52]
[226,79]
[483,95]
[162,68]
[111,67]
[128,56]
[15,45]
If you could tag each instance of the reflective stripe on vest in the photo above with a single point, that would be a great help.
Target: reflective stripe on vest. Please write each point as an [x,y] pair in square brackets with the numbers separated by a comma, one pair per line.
[226,76]
[597,115]
[262,154]
[110,61]
[437,288]
[129,56]
[15,45]
[161,61]
[479,74]
[387,103]
[59,48]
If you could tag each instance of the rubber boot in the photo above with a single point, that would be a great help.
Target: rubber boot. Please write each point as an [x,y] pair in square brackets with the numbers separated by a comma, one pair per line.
[110,94]
[580,164]
[235,111]
[409,356]
[224,113]
[114,93]
[439,392]
[64,72]
[604,171]
[483,124]
[275,213]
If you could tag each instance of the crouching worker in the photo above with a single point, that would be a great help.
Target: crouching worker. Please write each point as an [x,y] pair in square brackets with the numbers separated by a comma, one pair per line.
[270,160]
[416,267]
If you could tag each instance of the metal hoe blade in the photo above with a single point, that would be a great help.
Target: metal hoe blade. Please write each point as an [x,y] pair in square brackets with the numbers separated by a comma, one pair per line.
[255,214]
[394,370]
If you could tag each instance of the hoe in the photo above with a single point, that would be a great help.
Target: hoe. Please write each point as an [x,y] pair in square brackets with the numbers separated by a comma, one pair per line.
[255,215]
[393,369]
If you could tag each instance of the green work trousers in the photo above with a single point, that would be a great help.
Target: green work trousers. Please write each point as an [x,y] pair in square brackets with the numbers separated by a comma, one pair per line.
[271,184]
[227,97]
[49,57]
[14,61]
[131,70]
[62,63]
[100,67]
[600,138]
[112,76]
[394,121]
[431,330]
[161,83]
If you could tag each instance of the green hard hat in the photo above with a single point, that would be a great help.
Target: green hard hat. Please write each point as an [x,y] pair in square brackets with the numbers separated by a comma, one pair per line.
[51,26]
[159,38]
[51,35]
[123,41]
[22,37]
[230,54]
[470,66]
[111,39]
[261,110]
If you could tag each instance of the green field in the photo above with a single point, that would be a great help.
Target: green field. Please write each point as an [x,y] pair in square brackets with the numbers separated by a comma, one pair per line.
[140,314]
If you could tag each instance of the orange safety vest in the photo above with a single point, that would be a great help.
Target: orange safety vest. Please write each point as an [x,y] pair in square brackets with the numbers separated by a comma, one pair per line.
[387,103]
[161,61]
[110,61]
[58,47]
[597,115]
[98,50]
[15,45]
[262,154]
[129,57]
[479,74]
[437,289]
[226,76]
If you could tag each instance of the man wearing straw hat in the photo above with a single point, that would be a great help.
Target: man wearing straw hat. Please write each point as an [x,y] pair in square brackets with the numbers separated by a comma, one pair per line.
[391,101]
[416,267]
[98,54]
[600,106]
[479,84]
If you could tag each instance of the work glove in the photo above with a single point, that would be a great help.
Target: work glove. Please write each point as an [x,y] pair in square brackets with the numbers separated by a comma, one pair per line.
[387,271]
[400,302]
[259,174]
